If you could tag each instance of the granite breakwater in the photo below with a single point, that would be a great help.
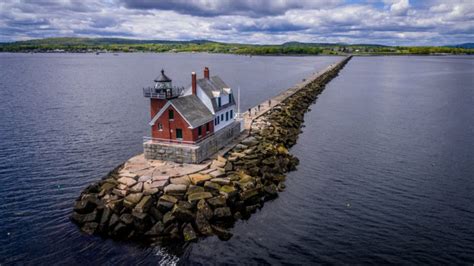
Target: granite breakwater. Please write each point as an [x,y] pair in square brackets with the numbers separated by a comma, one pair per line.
[162,209]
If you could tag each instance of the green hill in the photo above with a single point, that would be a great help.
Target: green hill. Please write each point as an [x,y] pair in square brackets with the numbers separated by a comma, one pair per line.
[81,45]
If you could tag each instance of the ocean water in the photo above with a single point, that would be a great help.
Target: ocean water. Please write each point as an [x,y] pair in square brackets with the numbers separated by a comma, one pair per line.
[386,172]
[68,119]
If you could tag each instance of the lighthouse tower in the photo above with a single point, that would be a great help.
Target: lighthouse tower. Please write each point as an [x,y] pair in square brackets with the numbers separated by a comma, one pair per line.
[160,93]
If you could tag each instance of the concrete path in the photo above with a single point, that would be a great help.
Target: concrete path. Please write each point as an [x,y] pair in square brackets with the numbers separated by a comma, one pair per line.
[250,115]
[140,166]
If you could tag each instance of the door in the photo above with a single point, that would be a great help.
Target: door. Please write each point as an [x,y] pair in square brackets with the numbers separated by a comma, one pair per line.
[179,133]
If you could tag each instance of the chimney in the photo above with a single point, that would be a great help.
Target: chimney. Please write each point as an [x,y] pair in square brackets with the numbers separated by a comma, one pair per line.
[194,82]
[206,72]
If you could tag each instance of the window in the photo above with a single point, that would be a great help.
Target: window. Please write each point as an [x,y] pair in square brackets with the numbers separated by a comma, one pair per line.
[171,114]
[215,121]
[231,114]
[179,133]
[207,128]
[226,116]
[219,102]
[160,126]
[222,117]
[218,120]
[230,97]
[199,131]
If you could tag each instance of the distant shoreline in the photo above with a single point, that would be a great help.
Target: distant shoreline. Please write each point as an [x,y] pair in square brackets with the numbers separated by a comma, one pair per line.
[104,45]
[249,55]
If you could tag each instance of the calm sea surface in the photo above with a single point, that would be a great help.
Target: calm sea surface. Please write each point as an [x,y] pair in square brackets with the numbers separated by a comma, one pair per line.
[386,173]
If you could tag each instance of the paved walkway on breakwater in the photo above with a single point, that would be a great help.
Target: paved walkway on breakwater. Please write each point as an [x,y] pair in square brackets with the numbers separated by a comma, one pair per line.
[163,170]
[253,113]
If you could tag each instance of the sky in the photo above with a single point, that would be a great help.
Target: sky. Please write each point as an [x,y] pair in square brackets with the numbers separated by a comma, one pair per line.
[388,22]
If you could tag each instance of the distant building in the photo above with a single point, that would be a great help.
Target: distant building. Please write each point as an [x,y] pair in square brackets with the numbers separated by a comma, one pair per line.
[186,123]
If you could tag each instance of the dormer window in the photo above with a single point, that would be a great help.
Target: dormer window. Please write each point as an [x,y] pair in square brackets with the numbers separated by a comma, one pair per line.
[219,102]
[230,97]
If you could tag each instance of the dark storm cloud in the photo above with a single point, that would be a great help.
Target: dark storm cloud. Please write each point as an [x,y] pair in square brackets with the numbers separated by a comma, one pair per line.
[104,22]
[105,33]
[261,26]
[32,6]
[212,8]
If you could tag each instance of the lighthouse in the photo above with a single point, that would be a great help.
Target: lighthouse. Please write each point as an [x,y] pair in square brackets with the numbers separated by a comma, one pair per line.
[188,125]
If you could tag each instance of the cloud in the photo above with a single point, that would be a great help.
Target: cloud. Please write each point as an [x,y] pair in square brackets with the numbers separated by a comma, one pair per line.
[393,22]
[400,7]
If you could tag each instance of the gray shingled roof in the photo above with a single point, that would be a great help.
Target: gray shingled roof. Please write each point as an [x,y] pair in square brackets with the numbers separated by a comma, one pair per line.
[215,83]
[193,110]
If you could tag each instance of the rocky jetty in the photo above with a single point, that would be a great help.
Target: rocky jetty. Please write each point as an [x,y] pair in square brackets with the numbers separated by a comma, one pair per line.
[163,209]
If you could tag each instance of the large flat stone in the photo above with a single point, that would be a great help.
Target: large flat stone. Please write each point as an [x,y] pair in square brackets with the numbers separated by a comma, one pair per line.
[166,202]
[198,196]
[175,189]
[144,204]
[211,186]
[207,171]
[150,191]
[134,197]
[221,181]
[127,174]
[144,178]
[217,164]
[119,192]
[183,180]
[160,177]
[138,187]
[199,178]
[159,184]
[128,181]
[122,187]
[216,173]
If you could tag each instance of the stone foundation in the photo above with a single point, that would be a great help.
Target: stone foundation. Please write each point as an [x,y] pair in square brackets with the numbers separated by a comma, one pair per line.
[184,153]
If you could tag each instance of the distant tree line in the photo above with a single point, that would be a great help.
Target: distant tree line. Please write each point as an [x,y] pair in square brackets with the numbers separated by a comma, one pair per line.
[123,45]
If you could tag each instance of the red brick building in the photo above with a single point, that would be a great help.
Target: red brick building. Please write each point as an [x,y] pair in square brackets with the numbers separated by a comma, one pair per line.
[177,118]
[188,125]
